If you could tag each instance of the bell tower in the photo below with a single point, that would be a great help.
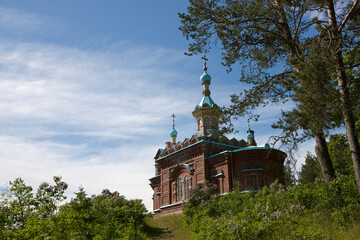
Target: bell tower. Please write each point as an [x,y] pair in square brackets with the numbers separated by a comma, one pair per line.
[207,113]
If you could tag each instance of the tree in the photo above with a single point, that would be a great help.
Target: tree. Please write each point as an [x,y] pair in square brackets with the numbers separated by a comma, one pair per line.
[268,35]
[105,216]
[316,107]
[26,215]
[310,170]
[18,203]
[336,40]
[290,179]
[340,153]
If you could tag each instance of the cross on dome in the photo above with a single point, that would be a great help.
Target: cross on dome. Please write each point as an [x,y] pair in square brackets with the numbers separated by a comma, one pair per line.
[173,117]
[205,59]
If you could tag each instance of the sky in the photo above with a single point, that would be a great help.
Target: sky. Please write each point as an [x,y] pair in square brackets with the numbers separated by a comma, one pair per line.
[88,87]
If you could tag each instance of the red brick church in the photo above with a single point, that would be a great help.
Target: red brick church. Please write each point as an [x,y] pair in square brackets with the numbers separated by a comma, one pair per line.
[181,165]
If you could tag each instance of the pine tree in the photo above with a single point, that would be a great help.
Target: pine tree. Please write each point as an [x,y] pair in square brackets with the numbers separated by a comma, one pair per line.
[269,35]
[310,170]
[336,40]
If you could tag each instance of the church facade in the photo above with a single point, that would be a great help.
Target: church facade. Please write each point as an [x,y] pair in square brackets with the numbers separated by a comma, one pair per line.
[179,166]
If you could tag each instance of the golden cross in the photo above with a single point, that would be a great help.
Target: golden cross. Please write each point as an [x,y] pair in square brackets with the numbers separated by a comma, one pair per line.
[173,117]
[205,59]
[248,123]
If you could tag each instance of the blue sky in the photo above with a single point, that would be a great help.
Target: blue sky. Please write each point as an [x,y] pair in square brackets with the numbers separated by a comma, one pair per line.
[87,89]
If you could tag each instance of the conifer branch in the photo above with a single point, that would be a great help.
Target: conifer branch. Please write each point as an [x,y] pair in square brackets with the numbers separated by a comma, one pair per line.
[342,24]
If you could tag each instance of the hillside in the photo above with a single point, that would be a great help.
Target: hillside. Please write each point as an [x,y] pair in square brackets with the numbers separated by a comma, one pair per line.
[168,227]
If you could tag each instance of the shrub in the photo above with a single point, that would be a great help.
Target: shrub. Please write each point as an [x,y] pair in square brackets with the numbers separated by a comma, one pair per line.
[274,212]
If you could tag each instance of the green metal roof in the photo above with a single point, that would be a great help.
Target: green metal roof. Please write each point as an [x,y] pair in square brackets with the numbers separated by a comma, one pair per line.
[207,100]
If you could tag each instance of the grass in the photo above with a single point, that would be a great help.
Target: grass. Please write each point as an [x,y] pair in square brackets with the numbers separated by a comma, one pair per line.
[167,227]
[171,227]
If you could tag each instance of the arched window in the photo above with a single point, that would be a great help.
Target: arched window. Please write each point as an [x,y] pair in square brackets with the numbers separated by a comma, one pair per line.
[186,187]
[206,123]
[179,189]
[253,182]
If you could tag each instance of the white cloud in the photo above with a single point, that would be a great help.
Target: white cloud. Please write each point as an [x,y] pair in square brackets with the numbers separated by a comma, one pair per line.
[89,116]
[102,92]
[125,169]
[18,21]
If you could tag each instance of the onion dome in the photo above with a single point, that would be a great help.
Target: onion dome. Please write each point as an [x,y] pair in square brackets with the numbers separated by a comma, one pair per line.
[173,133]
[249,135]
[205,77]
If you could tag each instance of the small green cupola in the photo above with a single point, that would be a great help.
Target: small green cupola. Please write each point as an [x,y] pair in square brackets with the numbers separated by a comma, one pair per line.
[173,133]
[250,136]
[205,77]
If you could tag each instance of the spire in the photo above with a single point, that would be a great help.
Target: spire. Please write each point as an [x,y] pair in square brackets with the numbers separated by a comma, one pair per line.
[207,112]
[205,80]
[173,117]
[173,133]
[205,59]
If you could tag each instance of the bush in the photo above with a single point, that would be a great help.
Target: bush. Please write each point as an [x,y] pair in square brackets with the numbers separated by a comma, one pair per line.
[274,212]
[25,215]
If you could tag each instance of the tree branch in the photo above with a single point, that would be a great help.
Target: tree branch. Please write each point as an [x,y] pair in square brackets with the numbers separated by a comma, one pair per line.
[342,24]
[355,65]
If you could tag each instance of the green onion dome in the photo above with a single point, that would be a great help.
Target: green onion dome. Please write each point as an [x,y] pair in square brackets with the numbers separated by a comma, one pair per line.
[205,77]
[173,133]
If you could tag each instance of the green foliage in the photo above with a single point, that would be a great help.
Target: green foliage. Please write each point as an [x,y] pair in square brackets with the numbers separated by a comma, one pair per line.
[105,216]
[340,154]
[310,170]
[290,178]
[19,204]
[25,215]
[275,212]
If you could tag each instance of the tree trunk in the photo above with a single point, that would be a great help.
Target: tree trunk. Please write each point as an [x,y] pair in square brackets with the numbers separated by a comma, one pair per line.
[323,156]
[344,92]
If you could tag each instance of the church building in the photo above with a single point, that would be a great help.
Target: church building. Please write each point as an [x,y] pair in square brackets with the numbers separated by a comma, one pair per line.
[203,157]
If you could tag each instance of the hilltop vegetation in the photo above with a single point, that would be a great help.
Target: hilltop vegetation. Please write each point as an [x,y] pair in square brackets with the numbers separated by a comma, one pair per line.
[306,211]
[28,215]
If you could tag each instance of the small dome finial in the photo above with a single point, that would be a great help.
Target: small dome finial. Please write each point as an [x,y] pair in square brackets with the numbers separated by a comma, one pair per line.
[173,117]
[205,59]
[173,133]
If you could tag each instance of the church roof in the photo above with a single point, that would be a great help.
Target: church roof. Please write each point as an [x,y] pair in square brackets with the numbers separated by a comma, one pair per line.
[207,101]
[265,146]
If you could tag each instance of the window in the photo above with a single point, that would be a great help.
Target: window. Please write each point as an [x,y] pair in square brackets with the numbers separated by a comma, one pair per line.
[186,187]
[207,123]
[253,182]
[182,189]
[179,189]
